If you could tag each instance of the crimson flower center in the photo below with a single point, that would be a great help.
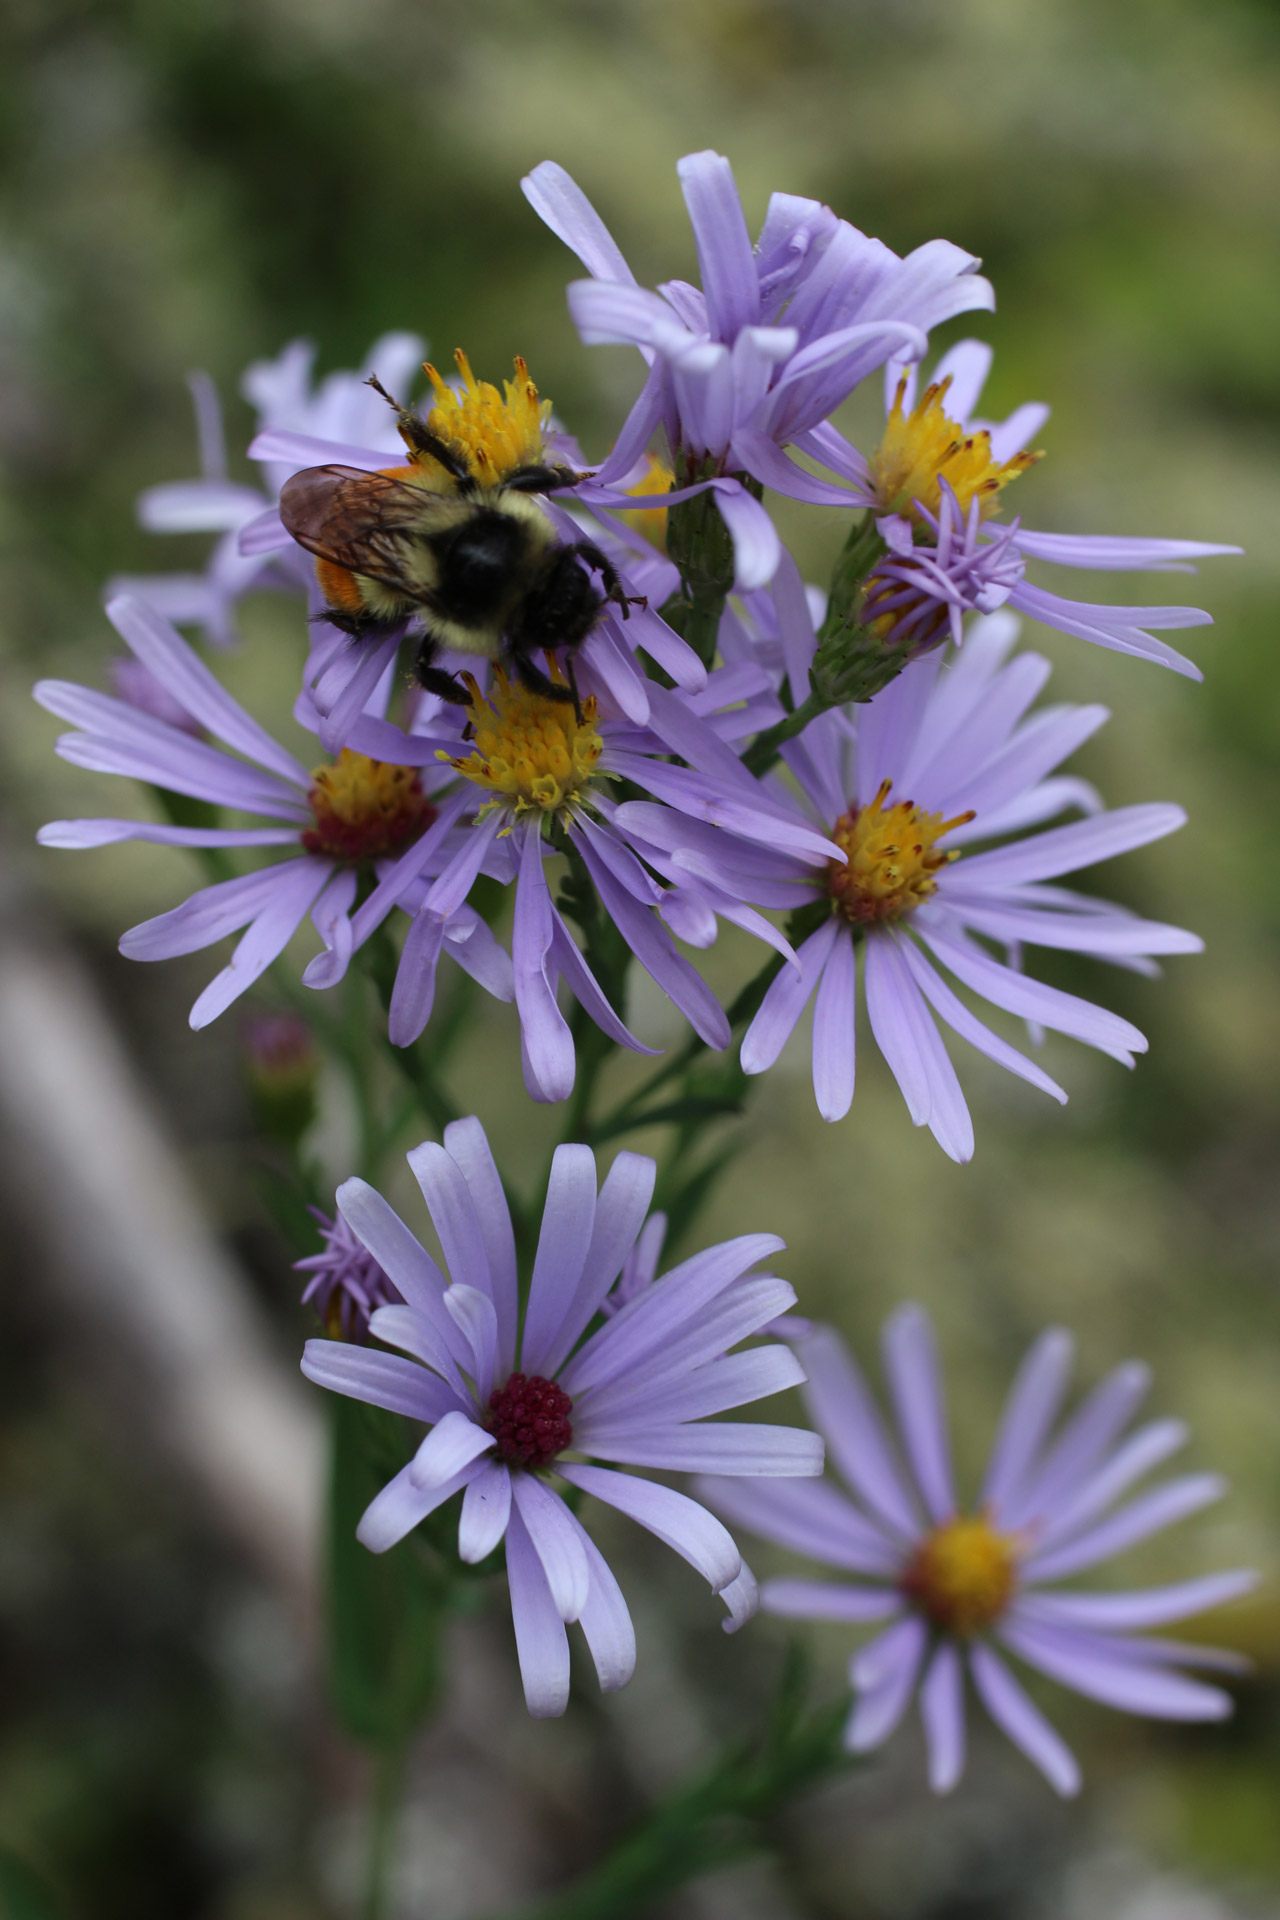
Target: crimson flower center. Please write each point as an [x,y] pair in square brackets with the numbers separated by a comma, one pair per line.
[529,1419]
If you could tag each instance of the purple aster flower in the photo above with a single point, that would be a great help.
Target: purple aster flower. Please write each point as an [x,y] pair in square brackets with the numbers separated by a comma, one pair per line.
[948,1587]
[347,1286]
[494,434]
[359,812]
[778,335]
[938,470]
[341,408]
[513,1395]
[906,784]
[538,775]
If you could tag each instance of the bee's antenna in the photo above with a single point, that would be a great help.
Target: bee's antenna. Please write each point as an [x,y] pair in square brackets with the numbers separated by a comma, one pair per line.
[374,382]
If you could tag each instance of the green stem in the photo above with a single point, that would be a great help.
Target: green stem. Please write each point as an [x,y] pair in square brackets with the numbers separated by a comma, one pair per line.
[763,751]
[698,542]
[388,1783]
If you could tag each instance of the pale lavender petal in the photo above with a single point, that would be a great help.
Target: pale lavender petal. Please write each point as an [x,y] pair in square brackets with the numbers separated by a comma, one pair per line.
[196,506]
[1143,1450]
[396,1511]
[1082,844]
[486,1508]
[1031,999]
[757,550]
[556,1542]
[942,1711]
[884,1674]
[108,833]
[1117,552]
[1134,1687]
[787,996]
[719,1446]
[582,983]
[732,1381]
[969,1027]
[381,1379]
[453,1214]
[620,1214]
[299,450]
[661,1311]
[833,1033]
[1108,935]
[265,533]
[450,1446]
[725,258]
[478,953]
[1150,1514]
[465,1142]
[1145,1607]
[435,1346]
[545,1035]
[843,1409]
[605,1619]
[1023,1722]
[828,1600]
[379,1229]
[915,1384]
[414,990]
[1119,629]
[567,1221]
[164,652]
[1083,1442]
[742,1598]
[560,203]
[680,1523]
[455,883]
[907,1037]
[476,1317]
[1030,1411]
[810,1517]
[541,1641]
[298,884]
[742,1310]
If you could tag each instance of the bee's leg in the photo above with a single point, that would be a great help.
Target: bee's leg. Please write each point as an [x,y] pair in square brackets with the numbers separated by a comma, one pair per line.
[539,682]
[435,679]
[613,589]
[542,479]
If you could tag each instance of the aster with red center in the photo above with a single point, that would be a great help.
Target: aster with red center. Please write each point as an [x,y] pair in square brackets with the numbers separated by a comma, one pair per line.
[359,814]
[515,1398]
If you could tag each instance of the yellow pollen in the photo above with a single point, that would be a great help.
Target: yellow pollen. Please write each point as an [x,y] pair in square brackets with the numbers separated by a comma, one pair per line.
[529,751]
[962,1575]
[493,432]
[365,809]
[656,480]
[926,445]
[891,858]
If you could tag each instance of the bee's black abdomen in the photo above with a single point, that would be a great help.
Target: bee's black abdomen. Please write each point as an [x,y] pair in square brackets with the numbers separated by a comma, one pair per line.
[479,561]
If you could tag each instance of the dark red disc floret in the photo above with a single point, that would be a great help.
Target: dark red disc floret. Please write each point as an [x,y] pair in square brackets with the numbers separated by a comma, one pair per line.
[529,1419]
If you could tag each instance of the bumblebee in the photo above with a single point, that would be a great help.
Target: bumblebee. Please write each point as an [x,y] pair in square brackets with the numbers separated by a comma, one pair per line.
[477,568]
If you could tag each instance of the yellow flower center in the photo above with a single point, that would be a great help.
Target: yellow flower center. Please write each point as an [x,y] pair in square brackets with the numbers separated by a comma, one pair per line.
[962,1575]
[365,809]
[921,447]
[891,858]
[656,480]
[528,751]
[493,432]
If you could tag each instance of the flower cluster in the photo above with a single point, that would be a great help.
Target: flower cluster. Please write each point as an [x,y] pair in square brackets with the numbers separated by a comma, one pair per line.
[555,716]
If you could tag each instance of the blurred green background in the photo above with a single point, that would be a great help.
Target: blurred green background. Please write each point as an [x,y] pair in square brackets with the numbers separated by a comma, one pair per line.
[192,183]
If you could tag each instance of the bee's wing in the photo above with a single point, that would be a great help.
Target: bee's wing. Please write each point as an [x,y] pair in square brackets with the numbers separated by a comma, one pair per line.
[354,519]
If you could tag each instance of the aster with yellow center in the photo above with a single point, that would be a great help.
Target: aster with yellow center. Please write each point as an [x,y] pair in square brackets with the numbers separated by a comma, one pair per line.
[530,753]
[962,1575]
[923,447]
[892,858]
[365,809]
[495,433]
